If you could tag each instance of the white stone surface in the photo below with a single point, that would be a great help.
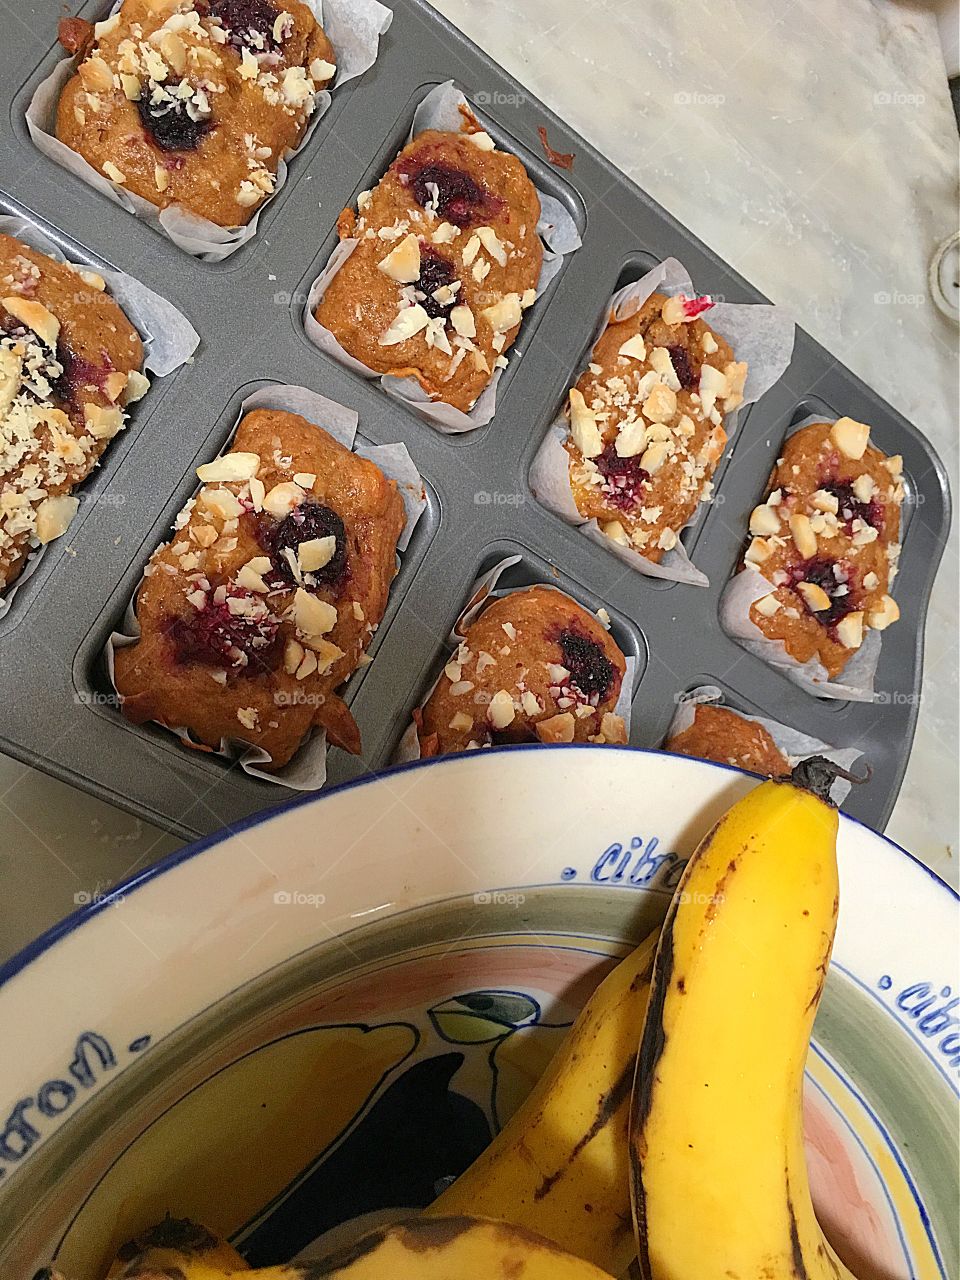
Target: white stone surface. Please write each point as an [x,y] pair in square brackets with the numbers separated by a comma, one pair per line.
[814,148]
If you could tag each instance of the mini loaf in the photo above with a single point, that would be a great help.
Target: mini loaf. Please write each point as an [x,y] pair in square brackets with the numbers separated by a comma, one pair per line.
[646,422]
[447,259]
[70,363]
[534,666]
[827,538]
[719,734]
[268,595]
[194,104]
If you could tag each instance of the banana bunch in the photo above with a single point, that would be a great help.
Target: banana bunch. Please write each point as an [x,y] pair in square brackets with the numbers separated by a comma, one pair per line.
[695,1141]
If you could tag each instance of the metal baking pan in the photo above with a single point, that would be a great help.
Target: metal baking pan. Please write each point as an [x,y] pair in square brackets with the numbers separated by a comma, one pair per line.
[57,714]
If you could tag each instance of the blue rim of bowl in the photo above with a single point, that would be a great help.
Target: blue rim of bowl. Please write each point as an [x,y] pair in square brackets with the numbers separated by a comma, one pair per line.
[45,941]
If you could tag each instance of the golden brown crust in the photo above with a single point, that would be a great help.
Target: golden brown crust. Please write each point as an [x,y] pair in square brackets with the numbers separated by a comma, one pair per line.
[62,391]
[362,302]
[847,546]
[272,692]
[514,678]
[249,105]
[719,734]
[648,433]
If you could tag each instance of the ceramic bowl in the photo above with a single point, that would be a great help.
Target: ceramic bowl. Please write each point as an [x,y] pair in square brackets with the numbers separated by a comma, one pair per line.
[324,1014]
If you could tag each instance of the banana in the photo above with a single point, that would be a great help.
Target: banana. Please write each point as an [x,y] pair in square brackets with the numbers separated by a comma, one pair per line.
[717,1160]
[560,1165]
[173,1245]
[421,1249]
[443,1248]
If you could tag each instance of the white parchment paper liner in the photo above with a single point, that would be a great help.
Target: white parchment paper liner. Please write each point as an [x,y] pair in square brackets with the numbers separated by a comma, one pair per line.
[307,770]
[855,682]
[758,333]
[796,746]
[440,109]
[169,339]
[354,28]
[484,592]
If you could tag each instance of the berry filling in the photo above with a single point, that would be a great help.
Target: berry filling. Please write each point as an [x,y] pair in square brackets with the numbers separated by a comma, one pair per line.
[680,358]
[249,23]
[623,478]
[308,521]
[435,272]
[851,508]
[450,192]
[693,307]
[821,572]
[170,125]
[78,373]
[591,671]
[246,635]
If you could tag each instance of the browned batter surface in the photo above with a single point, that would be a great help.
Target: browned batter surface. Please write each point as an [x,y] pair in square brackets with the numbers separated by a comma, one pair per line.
[252,669]
[533,666]
[853,555]
[227,88]
[648,434]
[719,734]
[62,391]
[475,231]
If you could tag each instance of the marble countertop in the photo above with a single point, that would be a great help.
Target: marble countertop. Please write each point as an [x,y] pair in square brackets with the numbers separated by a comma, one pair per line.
[815,149]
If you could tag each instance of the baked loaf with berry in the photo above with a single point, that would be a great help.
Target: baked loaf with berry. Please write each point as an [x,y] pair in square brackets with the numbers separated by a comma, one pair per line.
[646,422]
[266,598]
[534,666]
[447,260]
[719,734]
[194,102]
[69,365]
[827,538]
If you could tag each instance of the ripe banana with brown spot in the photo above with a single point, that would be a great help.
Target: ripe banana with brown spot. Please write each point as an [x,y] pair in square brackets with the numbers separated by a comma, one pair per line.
[719,1171]
[560,1166]
[421,1249]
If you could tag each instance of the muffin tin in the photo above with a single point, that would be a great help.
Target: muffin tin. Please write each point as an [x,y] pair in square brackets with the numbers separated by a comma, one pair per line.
[58,711]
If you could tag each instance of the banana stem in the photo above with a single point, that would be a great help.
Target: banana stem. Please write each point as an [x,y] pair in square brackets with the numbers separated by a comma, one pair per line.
[817,775]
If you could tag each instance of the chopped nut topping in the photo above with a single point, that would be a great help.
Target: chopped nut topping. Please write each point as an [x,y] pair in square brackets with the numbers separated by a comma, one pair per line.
[54,516]
[402,264]
[887,612]
[764,521]
[229,467]
[803,536]
[850,630]
[583,426]
[313,616]
[851,438]
[558,728]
